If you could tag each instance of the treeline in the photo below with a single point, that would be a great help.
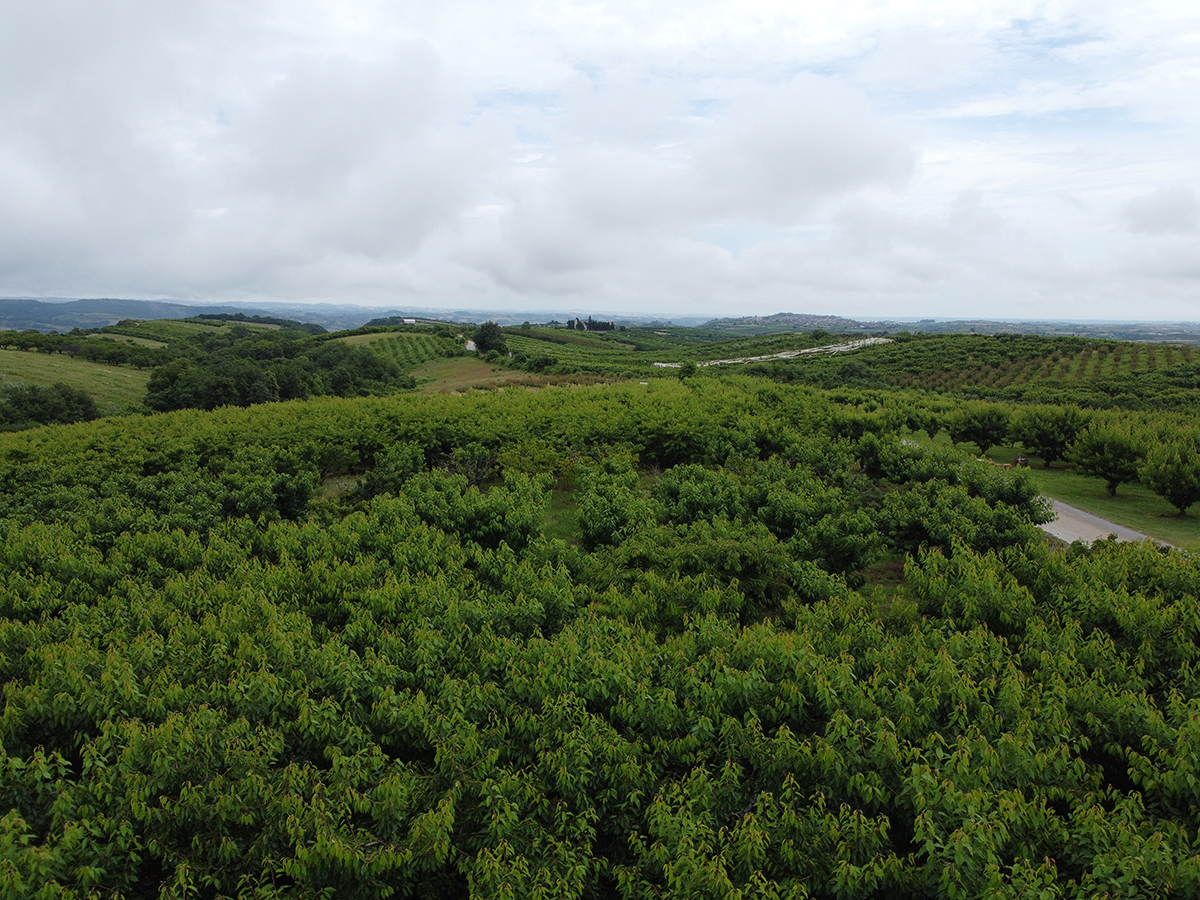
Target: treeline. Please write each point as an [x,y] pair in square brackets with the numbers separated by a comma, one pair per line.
[243,366]
[80,345]
[216,684]
[1160,451]
[291,324]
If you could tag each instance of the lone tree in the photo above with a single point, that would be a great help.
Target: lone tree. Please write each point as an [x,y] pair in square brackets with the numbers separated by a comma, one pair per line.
[986,425]
[488,336]
[1108,452]
[1172,471]
[1047,431]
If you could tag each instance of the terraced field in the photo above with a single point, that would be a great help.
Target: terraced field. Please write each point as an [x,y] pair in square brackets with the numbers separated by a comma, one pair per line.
[126,339]
[165,330]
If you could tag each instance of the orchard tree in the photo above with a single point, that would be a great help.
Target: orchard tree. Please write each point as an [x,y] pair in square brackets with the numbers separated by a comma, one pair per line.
[984,424]
[1047,431]
[922,419]
[488,336]
[1108,452]
[1172,471]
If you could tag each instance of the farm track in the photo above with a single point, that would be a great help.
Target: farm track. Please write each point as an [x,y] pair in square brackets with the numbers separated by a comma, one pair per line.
[1074,524]
[786,354]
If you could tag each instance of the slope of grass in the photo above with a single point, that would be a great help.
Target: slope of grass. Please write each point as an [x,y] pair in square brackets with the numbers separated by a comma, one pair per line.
[461,373]
[127,339]
[116,389]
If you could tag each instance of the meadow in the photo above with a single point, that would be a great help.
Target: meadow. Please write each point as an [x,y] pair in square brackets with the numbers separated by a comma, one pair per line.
[116,390]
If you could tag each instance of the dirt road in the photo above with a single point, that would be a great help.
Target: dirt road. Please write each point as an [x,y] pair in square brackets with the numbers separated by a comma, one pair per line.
[787,354]
[1073,524]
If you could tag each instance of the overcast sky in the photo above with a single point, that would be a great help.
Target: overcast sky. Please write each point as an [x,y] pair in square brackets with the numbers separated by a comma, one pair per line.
[869,159]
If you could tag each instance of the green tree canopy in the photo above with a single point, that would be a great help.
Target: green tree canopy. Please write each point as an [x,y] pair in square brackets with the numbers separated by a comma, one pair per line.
[1172,470]
[1047,431]
[488,337]
[985,425]
[1110,452]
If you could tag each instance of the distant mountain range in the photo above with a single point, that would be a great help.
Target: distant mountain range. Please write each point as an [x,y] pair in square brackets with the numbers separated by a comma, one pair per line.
[60,314]
[24,314]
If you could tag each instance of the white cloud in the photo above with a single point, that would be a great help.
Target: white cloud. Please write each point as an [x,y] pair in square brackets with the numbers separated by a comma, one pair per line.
[870,158]
[1165,210]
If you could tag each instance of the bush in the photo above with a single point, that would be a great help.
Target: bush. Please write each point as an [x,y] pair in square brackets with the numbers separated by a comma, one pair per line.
[24,406]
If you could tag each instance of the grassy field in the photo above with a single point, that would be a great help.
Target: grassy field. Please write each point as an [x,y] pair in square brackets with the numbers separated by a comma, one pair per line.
[127,339]
[116,389]
[562,516]
[461,373]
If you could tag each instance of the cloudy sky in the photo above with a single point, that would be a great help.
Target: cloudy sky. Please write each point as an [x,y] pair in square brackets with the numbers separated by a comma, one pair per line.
[870,159]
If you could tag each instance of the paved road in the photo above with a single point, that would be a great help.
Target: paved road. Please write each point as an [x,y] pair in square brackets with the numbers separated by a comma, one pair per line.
[1073,524]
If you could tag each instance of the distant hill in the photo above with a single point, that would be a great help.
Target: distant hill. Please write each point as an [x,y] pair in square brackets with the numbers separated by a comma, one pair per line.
[1158,332]
[781,322]
[24,314]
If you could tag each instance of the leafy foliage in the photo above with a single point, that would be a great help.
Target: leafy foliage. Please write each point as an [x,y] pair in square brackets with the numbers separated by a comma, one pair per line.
[222,681]
[986,425]
[1109,452]
[489,337]
[24,406]
[1047,431]
[244,367]
[1172,470]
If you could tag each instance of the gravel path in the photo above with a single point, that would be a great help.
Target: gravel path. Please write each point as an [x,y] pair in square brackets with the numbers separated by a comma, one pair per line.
[786,354]
[1073,524]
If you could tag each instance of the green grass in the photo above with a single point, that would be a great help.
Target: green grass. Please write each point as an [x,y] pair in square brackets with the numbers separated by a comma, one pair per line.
[166,330]
[116,389]
[1135,506]
[126,339]
[461,373]
[562,516]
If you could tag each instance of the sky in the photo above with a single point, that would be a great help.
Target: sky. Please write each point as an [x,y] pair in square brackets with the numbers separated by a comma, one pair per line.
[1020,160]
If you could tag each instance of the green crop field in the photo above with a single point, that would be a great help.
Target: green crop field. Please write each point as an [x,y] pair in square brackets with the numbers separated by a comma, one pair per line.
[950,363]
[407,350]
[116,389]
